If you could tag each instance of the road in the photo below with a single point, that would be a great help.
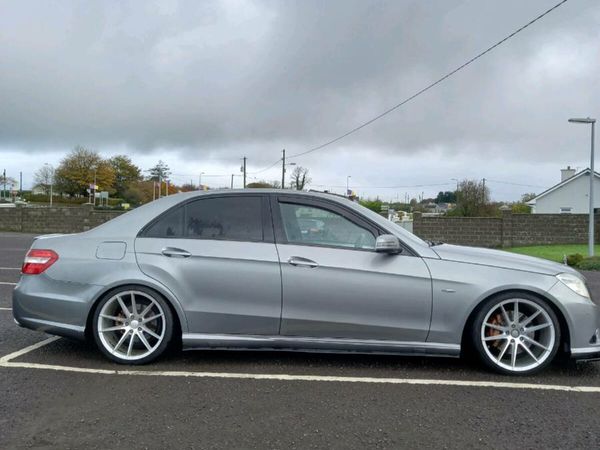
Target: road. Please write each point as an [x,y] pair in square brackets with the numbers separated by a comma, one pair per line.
[65,395]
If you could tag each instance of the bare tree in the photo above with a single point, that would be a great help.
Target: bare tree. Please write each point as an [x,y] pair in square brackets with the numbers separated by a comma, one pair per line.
[300,178]
[528,197]
[472,198]
[44,177]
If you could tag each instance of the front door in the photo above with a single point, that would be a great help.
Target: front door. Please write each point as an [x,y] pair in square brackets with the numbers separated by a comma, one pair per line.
[218,258]
[334,283]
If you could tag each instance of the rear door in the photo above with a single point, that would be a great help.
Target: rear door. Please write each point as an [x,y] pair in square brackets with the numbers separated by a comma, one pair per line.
[217,255]
[336,286]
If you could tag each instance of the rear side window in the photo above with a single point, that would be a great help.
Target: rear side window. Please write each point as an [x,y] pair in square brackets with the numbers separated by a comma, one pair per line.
[169,224]
[228,218]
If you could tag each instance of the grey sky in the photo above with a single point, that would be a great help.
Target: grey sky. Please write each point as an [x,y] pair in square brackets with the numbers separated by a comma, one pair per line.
[201,84]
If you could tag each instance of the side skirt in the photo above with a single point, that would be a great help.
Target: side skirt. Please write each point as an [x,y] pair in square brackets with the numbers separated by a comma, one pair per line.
[201,341]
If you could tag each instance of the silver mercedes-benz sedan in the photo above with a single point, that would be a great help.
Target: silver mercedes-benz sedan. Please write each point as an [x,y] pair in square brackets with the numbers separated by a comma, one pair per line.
[285,270]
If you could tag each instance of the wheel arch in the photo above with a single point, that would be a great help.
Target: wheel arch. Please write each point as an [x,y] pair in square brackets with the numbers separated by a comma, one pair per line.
[565,335]
[176,309]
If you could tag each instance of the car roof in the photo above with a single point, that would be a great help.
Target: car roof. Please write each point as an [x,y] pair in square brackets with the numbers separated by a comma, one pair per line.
[129,224]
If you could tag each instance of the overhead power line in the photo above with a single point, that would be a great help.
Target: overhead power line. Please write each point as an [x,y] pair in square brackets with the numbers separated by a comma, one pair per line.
[384,187]
[516,184]
[266,168]
[430,86]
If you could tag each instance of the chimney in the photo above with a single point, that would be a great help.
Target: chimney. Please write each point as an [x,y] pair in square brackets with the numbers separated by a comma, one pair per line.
[567,173]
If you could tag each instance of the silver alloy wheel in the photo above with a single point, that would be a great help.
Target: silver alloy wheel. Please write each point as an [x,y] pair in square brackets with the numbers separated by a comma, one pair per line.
[518,334]
[131,325]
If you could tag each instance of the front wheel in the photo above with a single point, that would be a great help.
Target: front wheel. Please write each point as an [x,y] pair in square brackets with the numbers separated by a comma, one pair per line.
[132,325]
[516,333]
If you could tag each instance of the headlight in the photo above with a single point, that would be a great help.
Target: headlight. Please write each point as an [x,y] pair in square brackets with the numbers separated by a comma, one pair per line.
[574,283]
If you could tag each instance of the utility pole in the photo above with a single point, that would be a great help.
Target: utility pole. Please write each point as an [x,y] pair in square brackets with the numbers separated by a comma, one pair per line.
[244,170]
[21,185]
[159,184]
[232,181]
[483,191]
[283,169]
[167,193]
[4,178]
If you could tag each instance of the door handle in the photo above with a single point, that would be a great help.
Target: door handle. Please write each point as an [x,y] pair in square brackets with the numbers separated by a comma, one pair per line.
[175,252]
[304,262]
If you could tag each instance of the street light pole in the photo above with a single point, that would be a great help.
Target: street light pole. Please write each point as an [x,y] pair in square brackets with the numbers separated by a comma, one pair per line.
[589,120]
[348,185]
[244,172]
[592,216]
[283,169]
[51,169]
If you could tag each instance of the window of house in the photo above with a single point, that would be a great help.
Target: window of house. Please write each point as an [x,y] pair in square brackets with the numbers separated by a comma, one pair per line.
[565,210]
[311,225]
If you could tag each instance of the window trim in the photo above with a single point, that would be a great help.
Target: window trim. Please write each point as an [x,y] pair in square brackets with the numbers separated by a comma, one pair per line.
[266,223]
[281,237]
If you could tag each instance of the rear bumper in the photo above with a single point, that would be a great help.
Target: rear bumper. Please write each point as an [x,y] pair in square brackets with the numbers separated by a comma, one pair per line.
[55,307]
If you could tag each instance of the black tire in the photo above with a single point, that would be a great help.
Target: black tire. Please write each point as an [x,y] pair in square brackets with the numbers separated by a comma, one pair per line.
[489,306]
[166,329]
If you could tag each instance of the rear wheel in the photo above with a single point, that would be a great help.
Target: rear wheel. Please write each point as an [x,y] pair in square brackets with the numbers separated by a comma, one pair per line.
[516,333]
[132,325]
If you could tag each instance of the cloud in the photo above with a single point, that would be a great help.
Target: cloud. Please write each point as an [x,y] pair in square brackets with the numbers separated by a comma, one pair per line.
[207,82]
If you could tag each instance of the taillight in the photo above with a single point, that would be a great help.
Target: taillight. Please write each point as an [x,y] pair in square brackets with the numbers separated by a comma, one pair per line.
[37,261]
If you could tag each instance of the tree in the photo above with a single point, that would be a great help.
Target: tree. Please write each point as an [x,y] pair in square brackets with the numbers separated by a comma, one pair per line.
[140,192]
[126,174]
[78,170]
[44,178]
[259,185]
[520,208]
[188,187]
[528,197]
[373,205]
[300,178]
[6,185]
[160,172]
[472,198]
[446,197]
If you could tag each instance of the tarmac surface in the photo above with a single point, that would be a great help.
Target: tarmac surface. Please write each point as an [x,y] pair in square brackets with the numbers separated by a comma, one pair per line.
[64,394]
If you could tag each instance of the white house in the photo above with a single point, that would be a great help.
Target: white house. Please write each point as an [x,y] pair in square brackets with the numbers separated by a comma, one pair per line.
[570,196]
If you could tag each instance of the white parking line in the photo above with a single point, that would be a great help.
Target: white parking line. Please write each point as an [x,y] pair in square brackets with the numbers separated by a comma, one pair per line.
[6,361]
[8,283]
[28,349]
[5,309]
[10,268]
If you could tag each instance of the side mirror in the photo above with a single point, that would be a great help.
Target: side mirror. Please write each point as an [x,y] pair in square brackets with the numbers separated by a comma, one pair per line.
[387,243]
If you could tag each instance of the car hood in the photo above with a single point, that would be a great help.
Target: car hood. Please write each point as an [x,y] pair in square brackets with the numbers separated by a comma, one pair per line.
[499,258]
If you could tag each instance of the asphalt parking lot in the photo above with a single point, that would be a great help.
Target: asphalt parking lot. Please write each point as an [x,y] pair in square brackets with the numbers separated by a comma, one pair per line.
[62,394]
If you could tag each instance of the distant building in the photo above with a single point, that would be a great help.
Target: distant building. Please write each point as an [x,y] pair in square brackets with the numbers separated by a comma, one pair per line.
[437,208]
[570,196]
[38,190]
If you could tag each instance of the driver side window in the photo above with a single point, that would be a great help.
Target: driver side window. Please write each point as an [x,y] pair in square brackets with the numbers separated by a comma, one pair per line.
[311,225]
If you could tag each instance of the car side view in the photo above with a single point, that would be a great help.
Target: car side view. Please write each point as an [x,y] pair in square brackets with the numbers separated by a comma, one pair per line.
[284,270]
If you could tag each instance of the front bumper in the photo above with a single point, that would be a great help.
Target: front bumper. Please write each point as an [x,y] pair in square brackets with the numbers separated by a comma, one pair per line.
[583,319]
[55,307]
